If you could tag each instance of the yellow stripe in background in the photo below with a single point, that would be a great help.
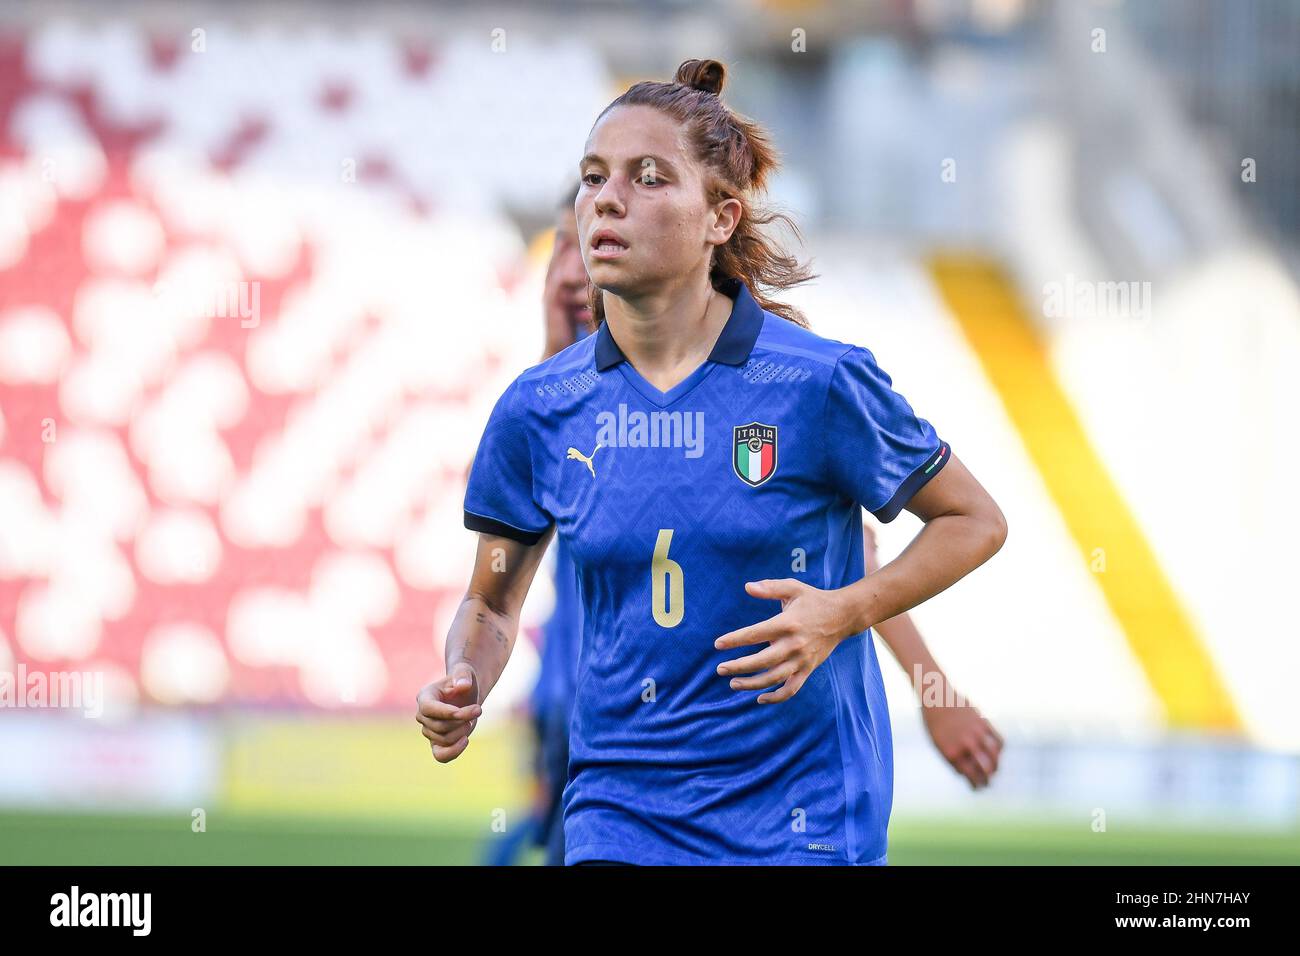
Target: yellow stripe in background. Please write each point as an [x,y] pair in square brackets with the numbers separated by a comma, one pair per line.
[369,765]
[985,304]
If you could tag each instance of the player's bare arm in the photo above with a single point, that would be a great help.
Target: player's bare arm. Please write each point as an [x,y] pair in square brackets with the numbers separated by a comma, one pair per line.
[479,642]
[964,527]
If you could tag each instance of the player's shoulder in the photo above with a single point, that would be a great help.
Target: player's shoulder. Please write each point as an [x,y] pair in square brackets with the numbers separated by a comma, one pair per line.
[568,374]
[786,343]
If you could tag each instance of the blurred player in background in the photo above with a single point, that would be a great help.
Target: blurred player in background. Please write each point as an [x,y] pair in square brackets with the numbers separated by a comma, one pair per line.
[567,315]
[568,319]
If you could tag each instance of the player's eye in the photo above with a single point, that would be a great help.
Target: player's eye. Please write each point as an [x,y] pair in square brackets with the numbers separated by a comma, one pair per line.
[587,179]
[650,179]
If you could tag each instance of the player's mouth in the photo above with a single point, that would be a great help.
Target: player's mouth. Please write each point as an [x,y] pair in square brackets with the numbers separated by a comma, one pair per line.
[607,244]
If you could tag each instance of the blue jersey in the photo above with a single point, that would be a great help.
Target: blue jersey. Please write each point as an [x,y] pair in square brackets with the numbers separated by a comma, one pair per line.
[754,466]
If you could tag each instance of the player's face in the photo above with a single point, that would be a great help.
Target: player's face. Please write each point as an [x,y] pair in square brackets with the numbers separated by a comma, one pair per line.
[638,180]
[570,271]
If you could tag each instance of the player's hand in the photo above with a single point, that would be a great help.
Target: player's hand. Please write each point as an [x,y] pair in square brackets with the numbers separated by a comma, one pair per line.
[448,710]
[811,623]
[965,739]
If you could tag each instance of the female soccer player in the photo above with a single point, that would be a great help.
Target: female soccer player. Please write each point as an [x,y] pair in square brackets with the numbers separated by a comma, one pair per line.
[705,455]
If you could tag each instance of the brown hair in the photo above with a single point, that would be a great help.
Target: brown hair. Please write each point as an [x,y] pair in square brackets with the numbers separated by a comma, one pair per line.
[738,157]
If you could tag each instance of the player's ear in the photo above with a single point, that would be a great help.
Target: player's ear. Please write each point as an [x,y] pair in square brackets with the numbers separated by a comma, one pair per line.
[726,217]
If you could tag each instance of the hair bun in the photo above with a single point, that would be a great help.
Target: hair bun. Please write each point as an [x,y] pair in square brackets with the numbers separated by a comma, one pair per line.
[705,75]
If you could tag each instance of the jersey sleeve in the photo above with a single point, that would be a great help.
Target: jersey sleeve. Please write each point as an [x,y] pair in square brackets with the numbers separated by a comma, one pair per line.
[879,453]
[500,495]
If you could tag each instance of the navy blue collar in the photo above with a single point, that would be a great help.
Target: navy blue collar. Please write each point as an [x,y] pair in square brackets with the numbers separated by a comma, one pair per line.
[733,345]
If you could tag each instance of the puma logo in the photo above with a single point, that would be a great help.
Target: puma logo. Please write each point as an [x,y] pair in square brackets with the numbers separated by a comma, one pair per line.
[576,455]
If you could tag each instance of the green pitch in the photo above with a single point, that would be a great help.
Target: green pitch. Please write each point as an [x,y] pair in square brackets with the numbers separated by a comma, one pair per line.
[364,790]
[37,838]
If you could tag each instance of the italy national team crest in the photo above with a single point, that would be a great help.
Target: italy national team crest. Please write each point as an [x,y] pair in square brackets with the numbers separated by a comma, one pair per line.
[754,452]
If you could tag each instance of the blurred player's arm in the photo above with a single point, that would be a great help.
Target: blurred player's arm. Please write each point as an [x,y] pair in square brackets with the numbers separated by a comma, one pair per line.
[962,735]
[479,641]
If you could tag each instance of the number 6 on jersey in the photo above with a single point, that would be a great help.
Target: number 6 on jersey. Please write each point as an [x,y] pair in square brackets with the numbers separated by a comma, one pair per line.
[668,604]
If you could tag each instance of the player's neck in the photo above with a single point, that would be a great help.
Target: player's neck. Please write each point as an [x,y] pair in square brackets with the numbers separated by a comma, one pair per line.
[668,333]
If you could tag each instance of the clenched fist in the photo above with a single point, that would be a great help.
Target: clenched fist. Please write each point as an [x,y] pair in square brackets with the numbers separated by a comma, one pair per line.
[447,711]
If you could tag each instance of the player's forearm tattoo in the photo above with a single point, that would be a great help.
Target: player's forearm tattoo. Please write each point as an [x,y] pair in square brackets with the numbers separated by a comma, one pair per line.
[494,628]
[471,642]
